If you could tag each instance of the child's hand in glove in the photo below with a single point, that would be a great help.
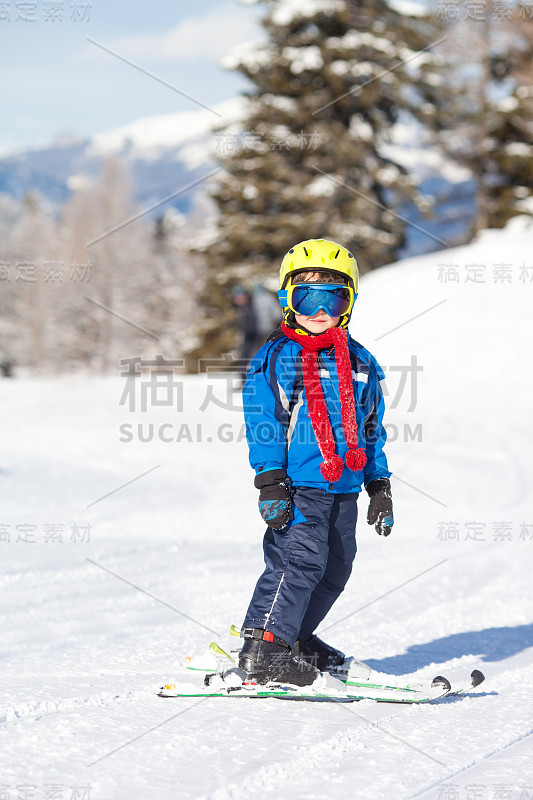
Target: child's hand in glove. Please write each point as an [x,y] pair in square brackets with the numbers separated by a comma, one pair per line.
[275,504]
[380,507]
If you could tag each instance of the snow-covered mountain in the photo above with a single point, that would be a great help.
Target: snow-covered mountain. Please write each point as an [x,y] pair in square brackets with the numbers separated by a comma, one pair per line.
[167,153]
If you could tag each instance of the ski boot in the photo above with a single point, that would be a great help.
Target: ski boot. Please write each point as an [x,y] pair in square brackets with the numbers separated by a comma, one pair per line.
[265,657]
[318,653]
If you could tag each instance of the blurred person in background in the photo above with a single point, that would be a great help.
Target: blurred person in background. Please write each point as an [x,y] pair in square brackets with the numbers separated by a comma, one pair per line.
[259,314]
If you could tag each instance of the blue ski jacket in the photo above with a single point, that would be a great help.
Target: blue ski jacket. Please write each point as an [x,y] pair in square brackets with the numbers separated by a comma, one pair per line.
[278,425]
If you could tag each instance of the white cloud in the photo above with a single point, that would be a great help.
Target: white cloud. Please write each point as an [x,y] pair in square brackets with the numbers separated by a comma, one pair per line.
[208,36]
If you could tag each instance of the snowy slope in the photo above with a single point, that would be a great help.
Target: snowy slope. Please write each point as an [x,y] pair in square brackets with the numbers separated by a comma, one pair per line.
[90,629]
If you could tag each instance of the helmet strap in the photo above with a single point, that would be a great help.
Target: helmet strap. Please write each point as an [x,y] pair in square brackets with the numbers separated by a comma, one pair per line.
[344,321]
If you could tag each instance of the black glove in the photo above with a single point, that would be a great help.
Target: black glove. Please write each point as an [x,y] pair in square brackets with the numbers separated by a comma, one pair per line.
[380,507]
[275,504]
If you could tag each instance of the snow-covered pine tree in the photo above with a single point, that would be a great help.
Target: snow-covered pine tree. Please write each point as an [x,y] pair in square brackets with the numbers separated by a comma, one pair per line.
[488,127]
[510,156]
[328,83]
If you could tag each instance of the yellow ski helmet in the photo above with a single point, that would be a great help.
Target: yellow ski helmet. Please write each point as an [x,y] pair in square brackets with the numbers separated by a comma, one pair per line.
[321,255]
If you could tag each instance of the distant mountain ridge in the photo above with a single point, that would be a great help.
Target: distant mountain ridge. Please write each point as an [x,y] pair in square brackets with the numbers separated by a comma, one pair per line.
[169,152]
[165,153]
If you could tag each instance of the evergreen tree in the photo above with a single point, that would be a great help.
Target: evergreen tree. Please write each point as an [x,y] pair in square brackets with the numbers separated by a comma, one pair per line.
[510,153]
[328,83]
[488,128]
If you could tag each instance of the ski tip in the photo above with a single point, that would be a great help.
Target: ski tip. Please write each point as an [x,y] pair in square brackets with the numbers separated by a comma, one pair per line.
[166,690]
[440,681]
[477,677]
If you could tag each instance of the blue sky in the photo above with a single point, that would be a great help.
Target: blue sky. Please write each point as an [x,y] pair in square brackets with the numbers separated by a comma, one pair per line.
[54,81]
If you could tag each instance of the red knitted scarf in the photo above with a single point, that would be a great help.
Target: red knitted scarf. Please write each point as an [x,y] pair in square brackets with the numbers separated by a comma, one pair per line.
[332,466]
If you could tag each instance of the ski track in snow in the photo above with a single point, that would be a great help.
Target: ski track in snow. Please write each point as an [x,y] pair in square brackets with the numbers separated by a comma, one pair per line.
[90,630]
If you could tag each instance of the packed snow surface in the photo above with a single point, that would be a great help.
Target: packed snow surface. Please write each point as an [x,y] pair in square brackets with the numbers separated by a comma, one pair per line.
[130,539]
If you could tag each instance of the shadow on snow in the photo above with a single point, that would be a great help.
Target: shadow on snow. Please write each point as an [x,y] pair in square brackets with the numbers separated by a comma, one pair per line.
[490,644]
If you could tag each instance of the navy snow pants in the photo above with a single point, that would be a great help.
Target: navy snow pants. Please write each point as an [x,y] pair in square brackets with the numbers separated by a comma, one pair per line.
[307,564]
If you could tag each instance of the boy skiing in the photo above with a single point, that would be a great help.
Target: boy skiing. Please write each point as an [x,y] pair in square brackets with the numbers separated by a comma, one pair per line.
[313,409]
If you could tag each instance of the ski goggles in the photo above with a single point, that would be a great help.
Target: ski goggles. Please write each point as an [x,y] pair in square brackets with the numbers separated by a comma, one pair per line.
[308,298]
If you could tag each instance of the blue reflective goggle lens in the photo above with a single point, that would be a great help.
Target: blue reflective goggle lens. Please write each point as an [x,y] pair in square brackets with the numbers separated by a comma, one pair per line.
[307,299]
